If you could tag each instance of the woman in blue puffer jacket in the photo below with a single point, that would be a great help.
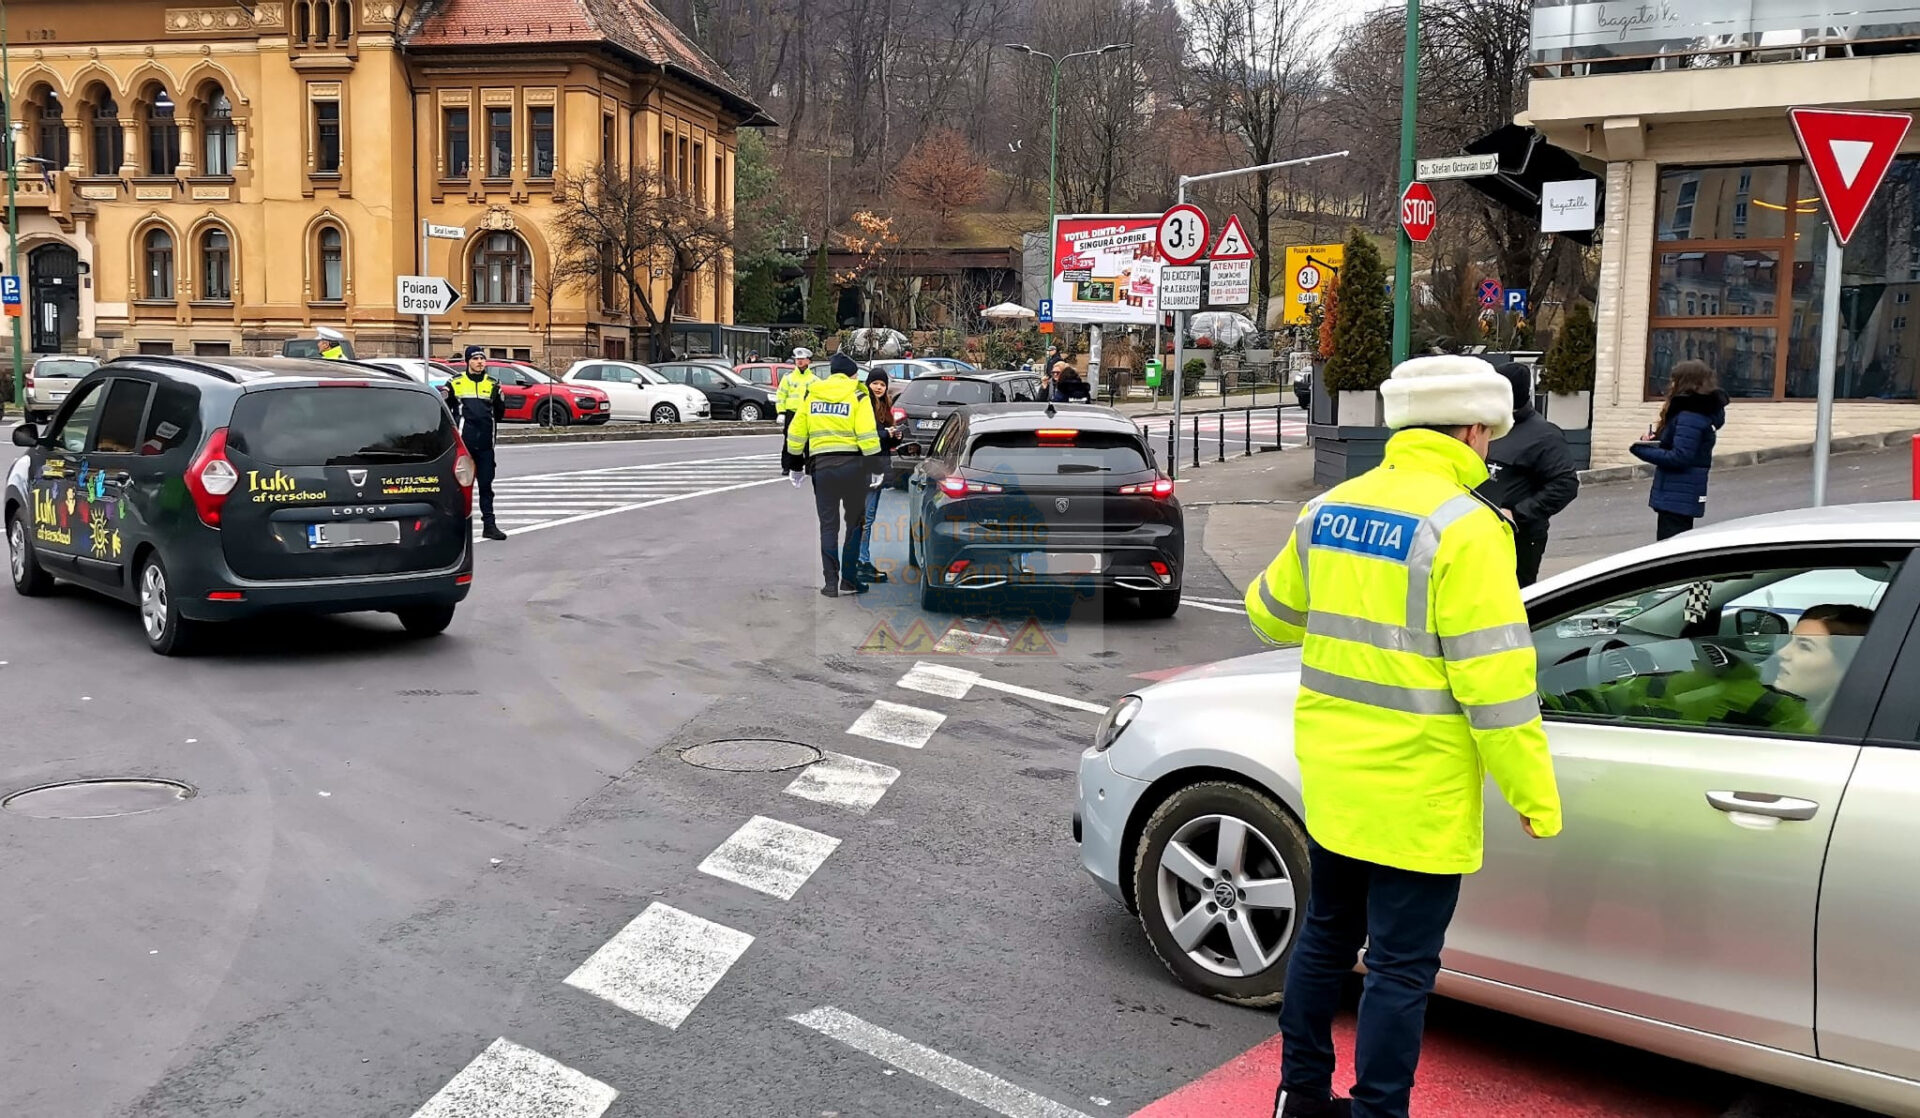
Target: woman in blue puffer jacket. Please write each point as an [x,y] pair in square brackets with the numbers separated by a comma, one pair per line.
[1682,449]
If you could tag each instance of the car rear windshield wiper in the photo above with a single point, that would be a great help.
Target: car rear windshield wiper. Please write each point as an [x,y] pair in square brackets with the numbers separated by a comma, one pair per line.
[381,456]
[955,403]
[1080,468]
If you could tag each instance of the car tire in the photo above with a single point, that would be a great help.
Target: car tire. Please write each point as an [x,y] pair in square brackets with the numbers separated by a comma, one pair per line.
[425,621]
[1275,846]
[30,579]
[168,633]
[750,413]
[551,414]
[1160,605]
[664,413]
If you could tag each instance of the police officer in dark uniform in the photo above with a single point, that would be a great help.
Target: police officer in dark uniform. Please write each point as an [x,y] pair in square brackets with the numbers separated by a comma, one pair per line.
[477,411]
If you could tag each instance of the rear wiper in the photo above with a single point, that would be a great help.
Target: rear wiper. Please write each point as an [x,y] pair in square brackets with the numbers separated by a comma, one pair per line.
[381,455]
[955,403]
[1080,468]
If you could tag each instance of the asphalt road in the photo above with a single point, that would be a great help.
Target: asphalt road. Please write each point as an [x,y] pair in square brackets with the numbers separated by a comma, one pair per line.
[430,877]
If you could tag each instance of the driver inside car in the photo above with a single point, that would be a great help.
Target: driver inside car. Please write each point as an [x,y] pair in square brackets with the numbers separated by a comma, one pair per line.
[1809,667]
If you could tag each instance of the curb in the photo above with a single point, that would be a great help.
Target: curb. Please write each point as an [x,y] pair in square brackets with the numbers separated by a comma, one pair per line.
[639,433]
[1850,444]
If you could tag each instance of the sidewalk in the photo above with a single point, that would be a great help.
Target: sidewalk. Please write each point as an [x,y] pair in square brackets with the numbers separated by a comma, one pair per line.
[1250,504]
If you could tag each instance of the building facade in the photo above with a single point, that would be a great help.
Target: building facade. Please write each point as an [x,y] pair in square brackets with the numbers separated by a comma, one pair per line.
[222,177]
[1714,239]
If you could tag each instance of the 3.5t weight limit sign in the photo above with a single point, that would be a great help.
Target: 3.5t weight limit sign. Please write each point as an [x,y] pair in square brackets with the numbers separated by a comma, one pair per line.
[1419,213]
[1184,234]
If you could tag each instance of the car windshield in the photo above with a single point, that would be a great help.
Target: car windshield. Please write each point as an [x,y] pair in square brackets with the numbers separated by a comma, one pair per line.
[729,375]
[531,373]
[756,374]
[647,376]
[946,391]
[73,367]
[1081,452]
[336,426]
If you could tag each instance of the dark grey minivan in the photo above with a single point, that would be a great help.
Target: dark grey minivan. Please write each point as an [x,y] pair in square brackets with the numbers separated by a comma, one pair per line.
[210,488]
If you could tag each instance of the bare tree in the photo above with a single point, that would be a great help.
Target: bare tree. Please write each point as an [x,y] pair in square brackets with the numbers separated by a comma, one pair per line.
[940,175]
[631,223]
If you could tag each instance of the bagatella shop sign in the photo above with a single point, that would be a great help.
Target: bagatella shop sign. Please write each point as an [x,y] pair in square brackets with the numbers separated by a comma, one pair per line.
[1695,24]
[1106,269]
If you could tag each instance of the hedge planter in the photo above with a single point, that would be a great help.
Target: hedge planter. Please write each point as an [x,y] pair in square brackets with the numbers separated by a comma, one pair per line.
[1343,452]
[1572,412]
[1359,409]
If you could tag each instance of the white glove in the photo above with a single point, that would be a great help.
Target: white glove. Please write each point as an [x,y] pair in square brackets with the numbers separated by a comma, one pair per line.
[796,476]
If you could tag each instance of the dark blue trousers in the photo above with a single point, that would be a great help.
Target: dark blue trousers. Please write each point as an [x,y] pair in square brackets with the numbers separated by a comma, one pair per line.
[481,448]
[840,493]
[1401,917]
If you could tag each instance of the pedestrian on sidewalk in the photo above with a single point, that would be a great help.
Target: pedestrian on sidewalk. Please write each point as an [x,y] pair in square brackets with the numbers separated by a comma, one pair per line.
[1417,676]
[1068,387]
[1532,476]
[891,432]
[834,438]
[1681,449]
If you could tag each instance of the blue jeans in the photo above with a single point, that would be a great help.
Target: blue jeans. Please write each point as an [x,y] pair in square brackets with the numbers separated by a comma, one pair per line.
[1402,918]
[866,530]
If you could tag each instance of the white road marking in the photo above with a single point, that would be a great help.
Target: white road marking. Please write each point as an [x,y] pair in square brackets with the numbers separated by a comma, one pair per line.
[958,639]
[954,683]
[897,724]
[508,1081]
[769,856]
[937,1068]
[582,518]
[661,964]
[1235,610]
[768,459]
[715,438]
[844,781]
[1217,601]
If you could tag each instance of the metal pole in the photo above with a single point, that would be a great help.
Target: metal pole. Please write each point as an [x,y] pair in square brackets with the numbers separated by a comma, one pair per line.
[1220,436]
[1403,259]
[1196,441]
[1053,162]
[1829,360]
[426,337]
[13,219]
[1248,432]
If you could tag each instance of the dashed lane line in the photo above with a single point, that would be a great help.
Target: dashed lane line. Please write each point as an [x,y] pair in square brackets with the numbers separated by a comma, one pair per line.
[842,781]
[508,1081]
[954,683]
[897,724]
[937,1068]
[1210,607]
[769,856]
[662,964]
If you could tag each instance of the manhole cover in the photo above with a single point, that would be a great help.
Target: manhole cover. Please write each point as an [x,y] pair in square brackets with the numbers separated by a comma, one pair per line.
[750,755]
[97,799]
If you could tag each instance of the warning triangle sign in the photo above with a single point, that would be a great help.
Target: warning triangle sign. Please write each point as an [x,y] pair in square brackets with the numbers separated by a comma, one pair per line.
[918,639]
[882,641]
[1031,640]
[1234,244]
[1849,152]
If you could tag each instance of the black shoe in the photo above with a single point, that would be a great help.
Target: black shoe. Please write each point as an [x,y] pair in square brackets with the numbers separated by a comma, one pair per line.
[828,591]
[870,573]
[852,587]
[493,532]
[1296,1107]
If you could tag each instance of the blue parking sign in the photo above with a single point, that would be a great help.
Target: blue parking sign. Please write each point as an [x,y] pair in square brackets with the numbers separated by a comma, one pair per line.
[1517,299]
[1046,310]
[10,290]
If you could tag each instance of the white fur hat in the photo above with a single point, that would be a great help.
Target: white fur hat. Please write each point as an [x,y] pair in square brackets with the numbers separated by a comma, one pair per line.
[1448,391]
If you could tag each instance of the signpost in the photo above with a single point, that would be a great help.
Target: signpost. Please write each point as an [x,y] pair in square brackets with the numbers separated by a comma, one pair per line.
[10,295]
[1183,233]
[1491,293]
[1849,152]
[1230,278]
[424,295]
[1180,288]
[1457,167]
[1310,268]
[1517,300]
[1419,213]
[1046,316]
[429,232]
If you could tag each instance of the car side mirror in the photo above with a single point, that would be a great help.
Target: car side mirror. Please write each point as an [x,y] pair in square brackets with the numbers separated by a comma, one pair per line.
[910,450]
[1760,623]
[26,435]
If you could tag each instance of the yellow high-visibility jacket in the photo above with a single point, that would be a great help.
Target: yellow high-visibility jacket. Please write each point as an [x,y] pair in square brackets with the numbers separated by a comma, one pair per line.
[786,396]
[1417,664]
[833,416]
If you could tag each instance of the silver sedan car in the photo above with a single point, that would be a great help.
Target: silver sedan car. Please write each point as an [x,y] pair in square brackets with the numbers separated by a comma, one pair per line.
[1735,723]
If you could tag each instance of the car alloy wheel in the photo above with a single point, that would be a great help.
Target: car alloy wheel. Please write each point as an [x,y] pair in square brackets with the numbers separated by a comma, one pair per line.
[30,579]
[155,603]
[17,550]
[665,413]
[1225,896]
[750,412]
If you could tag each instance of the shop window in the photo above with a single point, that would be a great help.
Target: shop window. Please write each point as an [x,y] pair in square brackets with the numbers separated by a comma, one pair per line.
[218,134]
[499,143]
[326,137]
[1878,276]
[502,271]
[332,262]
[157,258]
[1725,203]
[216,266]
[455,130]
[540,143]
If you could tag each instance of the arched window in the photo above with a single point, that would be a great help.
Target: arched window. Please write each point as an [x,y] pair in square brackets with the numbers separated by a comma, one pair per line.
[502,271]
[50,136]
[109,143]
[157,250]
[302,23]
[333,265]
[342,20]
[216,127]
[322,23]
[216,265]
[163,134]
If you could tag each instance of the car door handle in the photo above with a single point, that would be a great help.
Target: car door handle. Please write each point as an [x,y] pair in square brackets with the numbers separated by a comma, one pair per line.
[1763,803]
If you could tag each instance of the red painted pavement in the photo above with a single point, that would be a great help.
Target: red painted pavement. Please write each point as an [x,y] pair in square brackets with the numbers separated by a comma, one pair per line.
[1461,1076]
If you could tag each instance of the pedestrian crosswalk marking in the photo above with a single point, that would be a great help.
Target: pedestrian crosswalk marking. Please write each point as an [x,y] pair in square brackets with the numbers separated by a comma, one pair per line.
[770,857]
[540,501]
[508,1081]
[844,781]
[662,964]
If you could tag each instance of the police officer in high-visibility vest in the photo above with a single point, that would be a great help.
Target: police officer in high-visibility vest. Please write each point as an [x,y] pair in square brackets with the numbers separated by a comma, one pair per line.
[477,411]
[787,395]
[833,436]
[1416,678]
[330,347]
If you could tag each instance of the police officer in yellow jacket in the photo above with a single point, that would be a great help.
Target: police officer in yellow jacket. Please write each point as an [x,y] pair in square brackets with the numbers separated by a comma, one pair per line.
[833,436]
[477,411]
[1417,679]
[794,385]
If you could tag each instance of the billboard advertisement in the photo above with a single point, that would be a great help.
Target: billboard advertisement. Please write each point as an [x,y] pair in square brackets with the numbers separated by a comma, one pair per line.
[1106,269]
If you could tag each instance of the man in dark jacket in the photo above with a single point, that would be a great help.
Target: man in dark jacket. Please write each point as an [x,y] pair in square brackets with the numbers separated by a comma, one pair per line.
[1532,474]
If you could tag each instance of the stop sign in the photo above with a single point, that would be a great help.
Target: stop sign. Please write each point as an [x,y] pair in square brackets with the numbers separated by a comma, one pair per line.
[1418,212]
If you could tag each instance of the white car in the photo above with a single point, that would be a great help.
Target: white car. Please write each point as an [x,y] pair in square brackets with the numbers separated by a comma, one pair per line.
[639,393]
[434,374]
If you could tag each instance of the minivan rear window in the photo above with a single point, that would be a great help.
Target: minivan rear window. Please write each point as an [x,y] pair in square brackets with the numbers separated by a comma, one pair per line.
[328,426]
[949,393]
[73,368]
[1086,452]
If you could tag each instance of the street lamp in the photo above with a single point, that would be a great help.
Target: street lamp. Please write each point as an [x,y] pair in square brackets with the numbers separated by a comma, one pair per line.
[1053,144]
[13,212]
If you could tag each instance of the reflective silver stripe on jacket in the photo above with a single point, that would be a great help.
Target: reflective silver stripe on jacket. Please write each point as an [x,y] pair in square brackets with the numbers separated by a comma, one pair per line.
[1487,642]
[1279,610]
[1426,548]
[1408,700]
[1375,634]
[1504,716]
[1302,539]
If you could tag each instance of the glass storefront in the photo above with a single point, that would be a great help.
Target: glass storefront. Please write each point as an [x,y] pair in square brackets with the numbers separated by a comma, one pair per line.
[1721,294]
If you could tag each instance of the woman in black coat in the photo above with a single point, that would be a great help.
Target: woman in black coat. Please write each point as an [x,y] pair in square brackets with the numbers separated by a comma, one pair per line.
[891,433]
[1681,450]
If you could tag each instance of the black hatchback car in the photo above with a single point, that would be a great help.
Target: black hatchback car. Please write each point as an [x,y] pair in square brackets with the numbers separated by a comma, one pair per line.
[924,403]
[730,395]
[206,489]
[1044,495]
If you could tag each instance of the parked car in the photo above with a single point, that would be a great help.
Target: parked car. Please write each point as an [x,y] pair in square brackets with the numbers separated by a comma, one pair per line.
[907,369]
[532,396]
[433,374]
[205,489]
[310,347]
[766,374]
[949,364]
[49,380]
[730,395]
[1031,495]
[924,405]
[1734,882]
[639,393]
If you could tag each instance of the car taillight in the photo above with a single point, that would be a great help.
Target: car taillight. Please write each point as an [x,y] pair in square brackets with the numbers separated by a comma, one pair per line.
[1159,487]
[960,487]
[464,472]
[956,568]
[210,478]
[1161,571]
[899,415]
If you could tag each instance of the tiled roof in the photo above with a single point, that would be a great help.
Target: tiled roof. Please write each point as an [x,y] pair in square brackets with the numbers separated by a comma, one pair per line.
[634,27]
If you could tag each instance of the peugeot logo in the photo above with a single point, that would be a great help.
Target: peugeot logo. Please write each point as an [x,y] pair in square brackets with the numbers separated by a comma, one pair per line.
[1060,504]
[357,477]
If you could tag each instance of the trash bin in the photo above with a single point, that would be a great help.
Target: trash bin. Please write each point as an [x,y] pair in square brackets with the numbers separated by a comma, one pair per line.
[1153,373]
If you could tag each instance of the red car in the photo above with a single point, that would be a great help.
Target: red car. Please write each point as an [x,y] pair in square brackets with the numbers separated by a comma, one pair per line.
[766,374]
[532,396]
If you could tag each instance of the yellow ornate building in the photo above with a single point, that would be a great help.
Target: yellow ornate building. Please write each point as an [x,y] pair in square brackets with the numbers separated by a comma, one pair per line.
[222,177]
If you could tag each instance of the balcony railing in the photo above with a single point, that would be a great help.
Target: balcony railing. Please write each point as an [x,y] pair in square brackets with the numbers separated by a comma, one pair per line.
[1578,37]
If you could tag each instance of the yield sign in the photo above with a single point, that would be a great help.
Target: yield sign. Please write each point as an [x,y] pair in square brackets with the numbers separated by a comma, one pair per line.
[1849,151]
[1234,244]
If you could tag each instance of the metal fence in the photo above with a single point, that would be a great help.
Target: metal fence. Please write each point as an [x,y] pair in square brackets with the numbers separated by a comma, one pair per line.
[1217,434]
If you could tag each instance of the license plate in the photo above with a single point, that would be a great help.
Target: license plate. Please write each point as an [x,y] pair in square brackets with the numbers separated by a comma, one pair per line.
[928,425]
[59,396]
[353,533]
[1062,563]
